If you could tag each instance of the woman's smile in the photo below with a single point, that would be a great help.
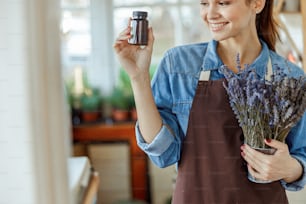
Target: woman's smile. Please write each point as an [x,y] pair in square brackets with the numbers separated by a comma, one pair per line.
[215,27]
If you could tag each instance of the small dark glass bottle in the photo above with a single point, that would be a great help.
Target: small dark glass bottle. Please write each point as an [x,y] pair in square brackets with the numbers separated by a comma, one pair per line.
[139,29]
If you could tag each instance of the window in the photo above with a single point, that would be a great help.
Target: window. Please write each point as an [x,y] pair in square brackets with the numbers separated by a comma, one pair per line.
[174,22]
[89,28]
[76,33]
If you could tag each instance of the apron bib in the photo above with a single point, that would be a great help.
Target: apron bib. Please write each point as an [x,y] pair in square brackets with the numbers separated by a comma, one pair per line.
[211,169]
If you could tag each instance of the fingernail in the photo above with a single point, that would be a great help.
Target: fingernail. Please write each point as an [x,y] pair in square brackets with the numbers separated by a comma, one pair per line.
[268,140]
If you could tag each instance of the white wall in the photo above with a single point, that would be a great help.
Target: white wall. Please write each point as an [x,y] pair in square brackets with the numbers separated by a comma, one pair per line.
[16,142]
[102,70]
[33,121]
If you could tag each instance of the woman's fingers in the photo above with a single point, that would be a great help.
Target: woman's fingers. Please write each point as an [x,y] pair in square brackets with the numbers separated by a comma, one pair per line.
[134,58]
[254,173]
[124,35]
[265,166]
[251,157]
[122,40]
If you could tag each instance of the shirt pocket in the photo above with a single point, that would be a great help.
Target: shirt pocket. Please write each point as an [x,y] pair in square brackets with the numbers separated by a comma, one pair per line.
[182,108]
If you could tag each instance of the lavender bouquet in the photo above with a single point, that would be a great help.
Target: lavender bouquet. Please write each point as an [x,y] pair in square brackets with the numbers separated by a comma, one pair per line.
[265,109]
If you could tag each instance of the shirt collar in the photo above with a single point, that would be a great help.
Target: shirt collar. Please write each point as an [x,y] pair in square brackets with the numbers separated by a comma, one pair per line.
[212,61]
[261,62]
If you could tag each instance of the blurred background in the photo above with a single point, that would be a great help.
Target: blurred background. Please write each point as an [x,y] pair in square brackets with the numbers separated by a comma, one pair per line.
[63,88]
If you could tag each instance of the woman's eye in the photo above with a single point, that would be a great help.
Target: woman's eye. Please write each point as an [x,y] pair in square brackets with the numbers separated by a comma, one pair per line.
[224,3]
[221,3]
[203,3]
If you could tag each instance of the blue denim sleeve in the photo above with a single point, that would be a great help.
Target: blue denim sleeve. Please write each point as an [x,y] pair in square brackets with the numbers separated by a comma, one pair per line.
[159,145]
[162,149]
[296,141]
[165,149]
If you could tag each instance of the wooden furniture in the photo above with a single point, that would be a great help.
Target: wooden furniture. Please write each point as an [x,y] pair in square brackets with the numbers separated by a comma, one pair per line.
[94,133]
[92,189]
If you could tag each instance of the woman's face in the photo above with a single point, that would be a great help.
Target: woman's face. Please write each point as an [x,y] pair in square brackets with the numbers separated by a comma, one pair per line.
[229,18]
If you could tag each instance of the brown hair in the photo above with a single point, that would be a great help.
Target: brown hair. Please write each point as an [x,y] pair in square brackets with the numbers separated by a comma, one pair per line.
[266,25]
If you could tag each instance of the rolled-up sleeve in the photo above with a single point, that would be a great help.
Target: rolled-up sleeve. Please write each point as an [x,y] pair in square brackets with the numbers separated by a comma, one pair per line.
[164,150]
[159,145]
[297,185]
[296,141]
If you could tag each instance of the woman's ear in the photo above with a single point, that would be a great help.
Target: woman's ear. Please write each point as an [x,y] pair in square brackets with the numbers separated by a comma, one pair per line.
[258,5]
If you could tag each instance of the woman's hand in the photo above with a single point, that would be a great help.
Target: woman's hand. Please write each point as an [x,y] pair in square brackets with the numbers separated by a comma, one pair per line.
[281,165]
[135,59]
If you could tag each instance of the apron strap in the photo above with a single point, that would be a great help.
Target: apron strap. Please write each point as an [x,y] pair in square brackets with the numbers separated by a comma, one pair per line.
[269,70]
[205,75]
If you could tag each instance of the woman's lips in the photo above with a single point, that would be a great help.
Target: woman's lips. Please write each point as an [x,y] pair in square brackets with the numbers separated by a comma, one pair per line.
[217,26]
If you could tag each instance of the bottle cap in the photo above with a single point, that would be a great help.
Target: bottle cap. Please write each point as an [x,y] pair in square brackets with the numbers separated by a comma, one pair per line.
[140,14]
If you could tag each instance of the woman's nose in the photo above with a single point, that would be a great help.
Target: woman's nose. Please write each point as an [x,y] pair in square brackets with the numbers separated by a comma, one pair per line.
[212,11]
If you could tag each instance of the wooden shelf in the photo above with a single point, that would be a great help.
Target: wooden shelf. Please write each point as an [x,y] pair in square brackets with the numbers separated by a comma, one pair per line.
[93,133]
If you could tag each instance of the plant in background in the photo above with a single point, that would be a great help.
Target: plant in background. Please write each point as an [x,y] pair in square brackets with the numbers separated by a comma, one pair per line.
[120,99]
[91,100]
[265,109]
[122,94]
[75,87]
[91,110]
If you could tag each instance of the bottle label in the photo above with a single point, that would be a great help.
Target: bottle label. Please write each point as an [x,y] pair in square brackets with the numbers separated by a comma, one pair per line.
[139,32]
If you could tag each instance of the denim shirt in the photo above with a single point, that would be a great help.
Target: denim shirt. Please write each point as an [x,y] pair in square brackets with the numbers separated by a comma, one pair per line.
[174,85]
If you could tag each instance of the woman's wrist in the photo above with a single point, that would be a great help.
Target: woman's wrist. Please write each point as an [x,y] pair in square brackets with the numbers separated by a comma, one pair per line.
[296,171]
[140,79]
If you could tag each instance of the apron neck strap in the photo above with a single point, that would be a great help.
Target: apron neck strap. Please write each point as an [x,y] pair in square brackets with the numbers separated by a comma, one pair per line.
[269,70]
[205,75]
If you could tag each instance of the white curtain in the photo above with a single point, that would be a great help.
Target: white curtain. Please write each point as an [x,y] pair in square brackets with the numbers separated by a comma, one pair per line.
[34,127]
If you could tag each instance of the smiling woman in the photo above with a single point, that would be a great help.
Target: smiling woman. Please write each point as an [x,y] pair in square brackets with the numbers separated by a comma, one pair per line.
[174,22]
[184,114]
[82,43]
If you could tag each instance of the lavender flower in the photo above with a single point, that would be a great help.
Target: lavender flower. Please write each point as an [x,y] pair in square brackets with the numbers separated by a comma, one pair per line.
[265,109]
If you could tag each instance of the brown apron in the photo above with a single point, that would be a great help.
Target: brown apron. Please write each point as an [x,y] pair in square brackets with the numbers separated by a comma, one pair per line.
[211,170]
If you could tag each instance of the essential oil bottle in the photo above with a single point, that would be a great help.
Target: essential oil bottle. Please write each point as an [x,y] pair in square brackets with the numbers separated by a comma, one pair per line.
[139,28]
